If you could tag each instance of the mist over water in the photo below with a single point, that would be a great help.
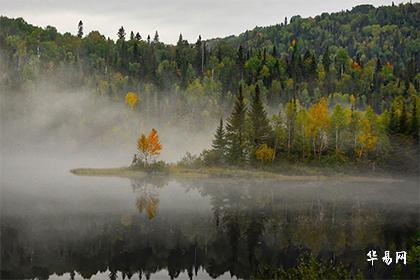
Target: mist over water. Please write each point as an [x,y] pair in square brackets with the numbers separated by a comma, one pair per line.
[54,223]
[67,125]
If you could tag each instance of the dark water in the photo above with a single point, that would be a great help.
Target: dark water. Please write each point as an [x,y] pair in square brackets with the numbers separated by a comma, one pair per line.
[57,225]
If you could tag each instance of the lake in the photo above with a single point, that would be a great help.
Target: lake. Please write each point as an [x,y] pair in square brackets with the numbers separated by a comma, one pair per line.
[60,226]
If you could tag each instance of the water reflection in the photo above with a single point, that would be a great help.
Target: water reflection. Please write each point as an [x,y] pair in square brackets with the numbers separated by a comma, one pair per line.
[251,229]
[147,194]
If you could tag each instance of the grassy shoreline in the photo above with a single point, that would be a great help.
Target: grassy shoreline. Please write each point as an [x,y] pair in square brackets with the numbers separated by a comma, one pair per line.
[220,173]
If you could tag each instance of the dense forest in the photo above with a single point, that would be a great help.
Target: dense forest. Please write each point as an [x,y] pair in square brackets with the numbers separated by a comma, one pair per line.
[333,87]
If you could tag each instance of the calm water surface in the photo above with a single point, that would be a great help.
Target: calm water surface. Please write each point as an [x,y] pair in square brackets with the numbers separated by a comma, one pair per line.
[60,226]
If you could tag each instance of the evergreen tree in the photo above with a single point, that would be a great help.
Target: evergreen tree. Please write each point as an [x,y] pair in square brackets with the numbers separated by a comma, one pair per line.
[138,36]
[393,120]
[219,143]
[326,60]
[235,131]
[199,56]
[260,126]
[121,33]
[156,38]
[414,121]
[403,119]
[131,35]
[80,29]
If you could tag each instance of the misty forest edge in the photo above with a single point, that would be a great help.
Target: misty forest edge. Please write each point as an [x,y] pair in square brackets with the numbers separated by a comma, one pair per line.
[339,89]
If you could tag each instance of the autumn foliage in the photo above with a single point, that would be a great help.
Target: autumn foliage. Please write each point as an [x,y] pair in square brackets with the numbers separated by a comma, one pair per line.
[148,146]
[131,99]
[265,154]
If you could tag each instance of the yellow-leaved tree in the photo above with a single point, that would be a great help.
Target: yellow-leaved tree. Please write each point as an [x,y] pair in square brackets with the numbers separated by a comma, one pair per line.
[131,99]
[366,140]
[319,126]
[265,154]
[148,146]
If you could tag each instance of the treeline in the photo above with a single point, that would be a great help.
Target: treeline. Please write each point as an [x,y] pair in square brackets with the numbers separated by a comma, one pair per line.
[331,129]
[371,53]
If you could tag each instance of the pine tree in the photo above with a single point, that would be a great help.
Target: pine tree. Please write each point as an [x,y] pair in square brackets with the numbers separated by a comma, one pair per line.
[80,29]
[219,143]
[138,36]
[131,35]
[261,129]
[235,131]
[121,33]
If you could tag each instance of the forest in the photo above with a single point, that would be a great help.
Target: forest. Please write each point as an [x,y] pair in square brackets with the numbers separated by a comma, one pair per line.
[335,88]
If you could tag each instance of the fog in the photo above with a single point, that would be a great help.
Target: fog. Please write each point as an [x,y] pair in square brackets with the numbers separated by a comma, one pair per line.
[63,124]
[58,223]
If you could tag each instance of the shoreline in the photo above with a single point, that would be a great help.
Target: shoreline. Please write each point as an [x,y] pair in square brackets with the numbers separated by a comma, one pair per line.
[229,173]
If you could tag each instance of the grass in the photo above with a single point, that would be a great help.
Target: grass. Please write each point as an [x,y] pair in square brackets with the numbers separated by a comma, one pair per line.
[112,172]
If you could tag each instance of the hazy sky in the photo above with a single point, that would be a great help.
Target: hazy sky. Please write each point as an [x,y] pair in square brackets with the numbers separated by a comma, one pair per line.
[217,18]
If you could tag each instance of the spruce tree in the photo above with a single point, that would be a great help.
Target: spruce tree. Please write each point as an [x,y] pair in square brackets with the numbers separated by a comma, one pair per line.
[414,121]
[393,120]
[403,119]
[121,33]
[80,29]
[235,131]
[261,129]
[326,60]
[156,38]
[219,143]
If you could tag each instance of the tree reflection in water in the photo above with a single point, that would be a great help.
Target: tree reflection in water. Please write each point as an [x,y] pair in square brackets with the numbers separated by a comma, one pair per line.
[254,229]
[147,194]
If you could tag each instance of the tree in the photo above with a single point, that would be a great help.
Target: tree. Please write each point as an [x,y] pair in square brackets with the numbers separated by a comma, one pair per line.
[131,35]
[261,131]
[121,33]
[302,131]
[138,36]
[366,140]
[265,154]
[235,131]
[339,120]
[326,60]
[290,123]
[319,124]
[403,125]
[219,143]
[148,147]
[80,29]
[156,38]
[414,120]
[131,99]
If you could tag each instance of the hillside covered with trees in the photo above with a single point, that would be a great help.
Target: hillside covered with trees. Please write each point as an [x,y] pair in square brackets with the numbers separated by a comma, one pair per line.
[334,87]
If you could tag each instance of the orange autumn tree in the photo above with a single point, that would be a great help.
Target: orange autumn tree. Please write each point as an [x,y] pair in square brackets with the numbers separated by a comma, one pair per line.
[149,147]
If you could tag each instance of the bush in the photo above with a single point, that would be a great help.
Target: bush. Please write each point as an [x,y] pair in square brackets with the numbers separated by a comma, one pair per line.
[154,167]
[190,161]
